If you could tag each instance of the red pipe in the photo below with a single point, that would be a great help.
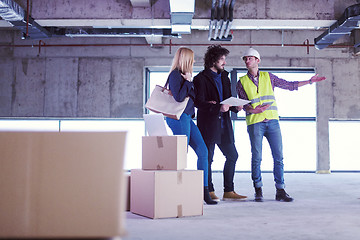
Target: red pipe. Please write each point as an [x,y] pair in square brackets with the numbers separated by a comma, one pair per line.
[172,44]
[41,41]
[306,42]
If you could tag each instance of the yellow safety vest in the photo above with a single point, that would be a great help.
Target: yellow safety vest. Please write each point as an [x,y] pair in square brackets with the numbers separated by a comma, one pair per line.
[264,94]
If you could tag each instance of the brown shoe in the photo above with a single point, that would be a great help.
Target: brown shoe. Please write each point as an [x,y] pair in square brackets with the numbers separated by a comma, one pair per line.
[214,197]
[233,196]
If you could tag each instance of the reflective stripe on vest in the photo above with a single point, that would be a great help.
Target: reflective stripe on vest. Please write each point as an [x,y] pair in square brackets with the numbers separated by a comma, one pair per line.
[264,94]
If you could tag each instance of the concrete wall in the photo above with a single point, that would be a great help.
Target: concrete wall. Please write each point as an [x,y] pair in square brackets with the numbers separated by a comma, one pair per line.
[70,81]
[108,81]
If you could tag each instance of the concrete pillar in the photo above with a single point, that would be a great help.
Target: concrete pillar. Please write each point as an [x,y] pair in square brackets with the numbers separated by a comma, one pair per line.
[324,110]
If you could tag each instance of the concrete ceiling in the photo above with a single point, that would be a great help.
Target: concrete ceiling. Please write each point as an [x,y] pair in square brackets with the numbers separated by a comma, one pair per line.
[156,14]
[152,14]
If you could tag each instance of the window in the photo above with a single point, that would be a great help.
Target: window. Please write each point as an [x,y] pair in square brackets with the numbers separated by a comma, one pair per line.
[344,149]
[297,110]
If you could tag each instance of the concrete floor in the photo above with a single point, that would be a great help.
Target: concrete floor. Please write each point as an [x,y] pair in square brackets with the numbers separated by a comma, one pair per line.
[325,207]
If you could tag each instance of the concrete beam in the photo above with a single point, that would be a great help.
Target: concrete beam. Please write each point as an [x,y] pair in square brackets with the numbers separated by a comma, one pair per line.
[197,24]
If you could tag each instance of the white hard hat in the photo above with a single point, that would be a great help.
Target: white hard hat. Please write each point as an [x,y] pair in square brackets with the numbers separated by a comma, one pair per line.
[251,52]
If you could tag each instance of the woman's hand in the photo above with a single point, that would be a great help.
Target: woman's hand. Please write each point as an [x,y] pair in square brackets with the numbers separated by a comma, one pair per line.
[187,76]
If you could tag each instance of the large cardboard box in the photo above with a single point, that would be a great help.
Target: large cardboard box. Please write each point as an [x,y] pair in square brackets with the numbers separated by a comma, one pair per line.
[62,185]
[166,193]
[164,152]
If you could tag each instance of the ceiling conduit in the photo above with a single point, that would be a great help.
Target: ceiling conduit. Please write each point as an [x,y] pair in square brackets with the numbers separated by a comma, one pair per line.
[231,18]
[225,18]
[11,12]
[221,20]
[347,22]
[212,19]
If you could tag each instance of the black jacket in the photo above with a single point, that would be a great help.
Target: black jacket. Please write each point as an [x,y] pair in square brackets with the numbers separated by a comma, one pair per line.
[209,115]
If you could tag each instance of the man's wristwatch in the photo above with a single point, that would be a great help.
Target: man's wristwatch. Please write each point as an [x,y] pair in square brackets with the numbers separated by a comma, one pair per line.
[310,81]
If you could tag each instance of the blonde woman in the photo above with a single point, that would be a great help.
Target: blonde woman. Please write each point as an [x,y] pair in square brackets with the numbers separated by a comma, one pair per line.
[181,86]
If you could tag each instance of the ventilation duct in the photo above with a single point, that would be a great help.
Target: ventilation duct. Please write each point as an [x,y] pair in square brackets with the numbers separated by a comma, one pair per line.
[11,11]
[347,22]
[15,15]
[221,20]
[34,30]
[112,32]
[181,14]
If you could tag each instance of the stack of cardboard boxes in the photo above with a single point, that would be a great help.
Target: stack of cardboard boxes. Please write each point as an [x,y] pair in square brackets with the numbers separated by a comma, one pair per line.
[162,188]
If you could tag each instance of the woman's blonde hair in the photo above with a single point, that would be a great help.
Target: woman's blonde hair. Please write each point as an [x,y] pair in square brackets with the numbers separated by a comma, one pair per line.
[183,60]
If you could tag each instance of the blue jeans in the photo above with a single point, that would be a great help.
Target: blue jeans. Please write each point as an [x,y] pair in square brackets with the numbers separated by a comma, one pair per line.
[271,130]
[231,155]
[186,126]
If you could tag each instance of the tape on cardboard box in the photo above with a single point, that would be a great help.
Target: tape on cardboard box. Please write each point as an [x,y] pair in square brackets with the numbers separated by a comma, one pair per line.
[179,211]
[179,177]
[160,142]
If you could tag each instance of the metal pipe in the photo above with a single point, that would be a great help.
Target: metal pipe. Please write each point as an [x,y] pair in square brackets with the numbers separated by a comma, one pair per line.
[27,18]
[219,18]
[211,26]
[41,42]
[225,18]
[306,42]
[228,28]
[231,10]
[212,17]
[213,10]
[231,18]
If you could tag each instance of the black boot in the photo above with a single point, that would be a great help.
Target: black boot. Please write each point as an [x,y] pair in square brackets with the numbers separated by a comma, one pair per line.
[207,197]
[258,195]
[281,195]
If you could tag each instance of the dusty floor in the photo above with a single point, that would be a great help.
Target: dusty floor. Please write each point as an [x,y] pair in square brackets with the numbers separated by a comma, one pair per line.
[325,207]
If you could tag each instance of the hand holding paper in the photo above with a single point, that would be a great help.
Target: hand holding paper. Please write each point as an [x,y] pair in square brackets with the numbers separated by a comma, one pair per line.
[233,101]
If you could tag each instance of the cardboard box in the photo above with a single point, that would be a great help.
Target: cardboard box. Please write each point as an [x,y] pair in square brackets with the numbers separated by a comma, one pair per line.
[166,194]
[164,152]
[61,185]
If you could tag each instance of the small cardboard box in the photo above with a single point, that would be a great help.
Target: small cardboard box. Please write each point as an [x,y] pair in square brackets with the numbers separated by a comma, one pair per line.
[62,185]
[164,152]
[166,193]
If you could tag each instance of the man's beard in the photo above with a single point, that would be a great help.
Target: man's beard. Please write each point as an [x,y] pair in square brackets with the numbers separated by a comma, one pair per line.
[218,69]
